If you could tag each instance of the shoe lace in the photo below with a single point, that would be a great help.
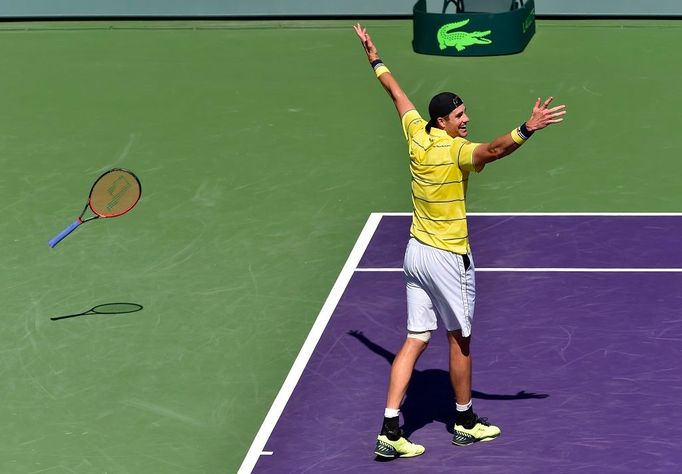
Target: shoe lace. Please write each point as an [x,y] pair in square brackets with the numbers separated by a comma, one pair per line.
[483,421]
[401,434]
[394,434]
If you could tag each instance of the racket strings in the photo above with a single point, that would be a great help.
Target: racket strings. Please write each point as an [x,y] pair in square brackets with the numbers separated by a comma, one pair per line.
[115,193]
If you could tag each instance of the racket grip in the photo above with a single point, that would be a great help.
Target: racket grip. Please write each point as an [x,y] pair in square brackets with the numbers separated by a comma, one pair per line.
[64,233]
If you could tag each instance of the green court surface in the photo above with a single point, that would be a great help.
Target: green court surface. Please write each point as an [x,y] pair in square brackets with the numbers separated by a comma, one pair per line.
[262,148]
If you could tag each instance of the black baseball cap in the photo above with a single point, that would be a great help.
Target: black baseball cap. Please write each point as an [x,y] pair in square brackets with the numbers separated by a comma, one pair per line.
[441,105]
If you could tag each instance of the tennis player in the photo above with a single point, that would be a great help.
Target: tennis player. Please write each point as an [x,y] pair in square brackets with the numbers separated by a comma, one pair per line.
[438,266]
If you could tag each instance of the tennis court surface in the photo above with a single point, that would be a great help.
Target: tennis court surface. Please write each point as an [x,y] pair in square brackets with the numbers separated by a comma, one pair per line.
[576,354]
[262,147]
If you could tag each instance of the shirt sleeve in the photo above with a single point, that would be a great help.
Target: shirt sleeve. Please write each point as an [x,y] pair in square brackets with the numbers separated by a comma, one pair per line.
[462,152]
[412,122]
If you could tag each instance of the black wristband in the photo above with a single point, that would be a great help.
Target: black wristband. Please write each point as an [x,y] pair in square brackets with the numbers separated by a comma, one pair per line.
[524,132]
[376,63]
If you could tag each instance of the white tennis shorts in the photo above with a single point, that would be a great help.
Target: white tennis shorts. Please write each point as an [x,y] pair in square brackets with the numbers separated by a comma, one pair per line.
[438,286]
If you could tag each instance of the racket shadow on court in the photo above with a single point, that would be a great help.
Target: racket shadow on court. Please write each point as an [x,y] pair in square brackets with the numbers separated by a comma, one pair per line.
[105,309]
[429,396]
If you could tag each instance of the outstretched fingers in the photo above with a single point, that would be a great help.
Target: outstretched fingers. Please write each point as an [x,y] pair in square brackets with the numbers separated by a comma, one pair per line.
[365,39]
[555,114]
[542,105]
[361,32]
[544,115]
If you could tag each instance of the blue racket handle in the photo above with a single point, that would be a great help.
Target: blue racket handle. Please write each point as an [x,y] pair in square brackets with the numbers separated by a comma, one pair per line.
[64,233]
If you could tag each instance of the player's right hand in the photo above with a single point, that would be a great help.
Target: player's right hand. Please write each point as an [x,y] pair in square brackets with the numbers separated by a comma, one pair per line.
[366,41]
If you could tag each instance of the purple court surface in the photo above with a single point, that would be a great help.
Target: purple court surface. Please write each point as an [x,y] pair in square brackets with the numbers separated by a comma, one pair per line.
[577,355]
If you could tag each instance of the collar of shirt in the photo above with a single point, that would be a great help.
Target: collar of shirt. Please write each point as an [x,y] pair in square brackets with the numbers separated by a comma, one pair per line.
[438,133]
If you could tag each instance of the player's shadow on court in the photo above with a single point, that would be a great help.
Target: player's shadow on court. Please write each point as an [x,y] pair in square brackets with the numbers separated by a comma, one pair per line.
[103,309]
[430,397]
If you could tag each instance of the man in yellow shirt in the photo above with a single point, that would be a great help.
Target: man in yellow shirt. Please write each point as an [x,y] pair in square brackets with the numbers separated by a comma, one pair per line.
[438,266]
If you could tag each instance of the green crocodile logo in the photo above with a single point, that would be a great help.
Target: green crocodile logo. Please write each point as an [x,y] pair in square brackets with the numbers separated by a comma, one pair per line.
[460,39]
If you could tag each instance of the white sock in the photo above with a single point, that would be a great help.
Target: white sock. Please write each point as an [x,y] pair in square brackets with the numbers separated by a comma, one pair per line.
[464,407]
[391,412]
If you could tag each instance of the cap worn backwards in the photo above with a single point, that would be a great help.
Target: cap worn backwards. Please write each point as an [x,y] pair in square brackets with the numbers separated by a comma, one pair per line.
[441,105]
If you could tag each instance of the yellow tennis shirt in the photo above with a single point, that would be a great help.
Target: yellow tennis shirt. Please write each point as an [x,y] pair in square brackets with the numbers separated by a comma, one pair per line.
[440,167]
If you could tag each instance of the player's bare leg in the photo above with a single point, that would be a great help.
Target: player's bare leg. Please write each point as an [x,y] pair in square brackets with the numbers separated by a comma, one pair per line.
[460,366]
[469,428]
[401,371]
[390,442]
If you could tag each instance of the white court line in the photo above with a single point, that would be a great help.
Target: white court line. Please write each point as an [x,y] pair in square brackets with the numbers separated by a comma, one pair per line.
[540,270]
[541,214]
[557,270]
[275,412]
[311,341]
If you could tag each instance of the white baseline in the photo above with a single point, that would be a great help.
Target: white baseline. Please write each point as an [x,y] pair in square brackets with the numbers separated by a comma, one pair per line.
[541,270]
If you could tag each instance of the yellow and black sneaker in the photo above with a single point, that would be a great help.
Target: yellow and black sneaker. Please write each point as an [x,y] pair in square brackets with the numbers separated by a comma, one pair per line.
[399,448]
[478,429]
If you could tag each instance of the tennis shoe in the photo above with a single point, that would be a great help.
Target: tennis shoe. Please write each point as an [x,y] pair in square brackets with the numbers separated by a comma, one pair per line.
[478,430]
[400,448]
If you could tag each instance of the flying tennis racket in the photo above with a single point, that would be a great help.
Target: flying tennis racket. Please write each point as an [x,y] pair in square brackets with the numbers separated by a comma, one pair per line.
[113,194]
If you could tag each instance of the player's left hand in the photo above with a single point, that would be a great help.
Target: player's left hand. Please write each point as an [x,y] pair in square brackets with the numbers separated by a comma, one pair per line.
[542,115]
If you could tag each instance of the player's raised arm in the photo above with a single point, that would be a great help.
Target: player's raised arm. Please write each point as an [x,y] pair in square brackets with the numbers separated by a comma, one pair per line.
[541,117]
[402,103]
